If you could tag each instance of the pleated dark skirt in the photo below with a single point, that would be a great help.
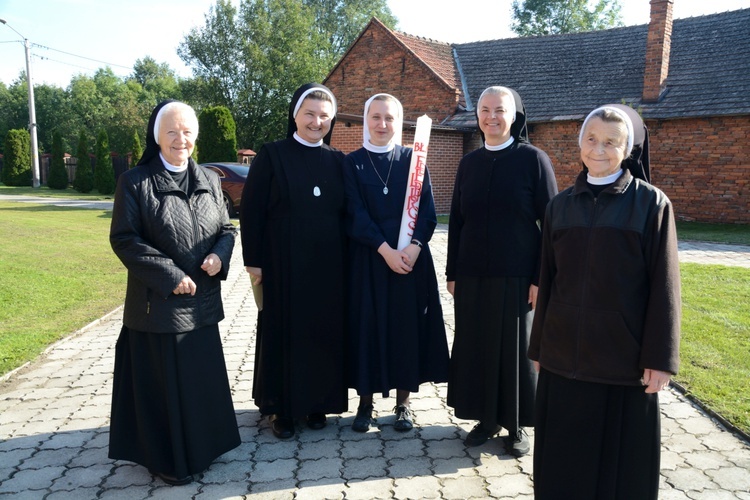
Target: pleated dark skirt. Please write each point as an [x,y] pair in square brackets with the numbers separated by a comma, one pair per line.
[595,441]
[491,378]
[172,409]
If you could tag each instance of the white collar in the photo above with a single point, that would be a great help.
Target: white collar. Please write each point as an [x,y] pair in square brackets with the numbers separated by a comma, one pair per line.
[499,146]
[306,143]
[172,168]
[603,181]
[379,149]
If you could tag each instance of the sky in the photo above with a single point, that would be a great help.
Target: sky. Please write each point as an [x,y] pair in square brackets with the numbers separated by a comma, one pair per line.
[71,37]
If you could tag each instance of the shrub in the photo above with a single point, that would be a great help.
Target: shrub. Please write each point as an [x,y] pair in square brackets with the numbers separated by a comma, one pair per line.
[58,174]
[104,172]
[83,182]
[217,140]
[17,161]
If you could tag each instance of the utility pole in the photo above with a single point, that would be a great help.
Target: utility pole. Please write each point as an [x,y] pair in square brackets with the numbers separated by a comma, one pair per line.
[32,111]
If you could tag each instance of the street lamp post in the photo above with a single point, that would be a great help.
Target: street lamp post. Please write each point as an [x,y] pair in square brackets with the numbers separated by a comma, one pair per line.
[32,111]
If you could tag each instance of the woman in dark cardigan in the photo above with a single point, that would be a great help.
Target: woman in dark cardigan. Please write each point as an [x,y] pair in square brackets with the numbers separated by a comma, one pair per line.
[172,408]
[494,240]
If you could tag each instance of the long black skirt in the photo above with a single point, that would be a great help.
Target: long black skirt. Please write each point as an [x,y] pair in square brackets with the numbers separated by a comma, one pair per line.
[595,441]
[491,378]
[172,409]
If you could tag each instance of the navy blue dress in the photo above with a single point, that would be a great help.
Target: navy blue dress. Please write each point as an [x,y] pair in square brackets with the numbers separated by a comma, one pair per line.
[396,330]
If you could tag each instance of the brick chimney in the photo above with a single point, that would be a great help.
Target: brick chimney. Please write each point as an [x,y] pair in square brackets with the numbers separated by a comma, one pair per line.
[658,43]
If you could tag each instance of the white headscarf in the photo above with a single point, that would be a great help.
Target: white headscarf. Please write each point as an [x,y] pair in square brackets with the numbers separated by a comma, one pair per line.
[398,125]
[309,91]
[625,118]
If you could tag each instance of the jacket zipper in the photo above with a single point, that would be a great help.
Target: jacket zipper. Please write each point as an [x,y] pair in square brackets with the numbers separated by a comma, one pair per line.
[584,288]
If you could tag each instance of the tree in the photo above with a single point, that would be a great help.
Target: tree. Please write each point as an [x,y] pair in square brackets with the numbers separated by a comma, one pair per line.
[340,21]
[158,81]
[83,182]
[17,160]
[58,174]
[553,17]
[252,58]
[217,140]
[135,150]
[104,173]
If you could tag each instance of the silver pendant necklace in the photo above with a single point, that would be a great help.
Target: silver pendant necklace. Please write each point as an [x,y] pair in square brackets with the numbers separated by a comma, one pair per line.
[385,182]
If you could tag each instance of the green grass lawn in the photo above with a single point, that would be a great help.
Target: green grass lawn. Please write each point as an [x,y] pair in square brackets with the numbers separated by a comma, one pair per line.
[58,274]
[46,192]
[715,347]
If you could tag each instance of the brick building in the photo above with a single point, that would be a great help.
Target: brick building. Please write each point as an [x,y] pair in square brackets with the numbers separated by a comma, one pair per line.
[689,78]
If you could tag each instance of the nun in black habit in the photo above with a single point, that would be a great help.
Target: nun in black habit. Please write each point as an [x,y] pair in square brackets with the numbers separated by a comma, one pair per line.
[606,333]
[293,240]
[172,407]
[494,241]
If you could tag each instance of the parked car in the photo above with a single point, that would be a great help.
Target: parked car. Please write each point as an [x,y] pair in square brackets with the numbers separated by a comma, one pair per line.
[232,177]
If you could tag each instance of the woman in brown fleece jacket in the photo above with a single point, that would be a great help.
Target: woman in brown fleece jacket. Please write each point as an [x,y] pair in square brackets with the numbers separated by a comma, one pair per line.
[605,336]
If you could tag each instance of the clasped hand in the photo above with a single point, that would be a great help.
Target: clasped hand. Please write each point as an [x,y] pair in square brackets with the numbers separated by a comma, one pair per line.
[400,261]
[212,266]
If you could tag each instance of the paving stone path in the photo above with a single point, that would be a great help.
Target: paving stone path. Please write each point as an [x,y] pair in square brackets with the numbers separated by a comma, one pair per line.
[54,424]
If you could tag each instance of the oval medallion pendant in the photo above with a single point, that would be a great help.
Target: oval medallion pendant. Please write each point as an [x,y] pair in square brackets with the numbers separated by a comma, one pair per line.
[385,190]
[316,191]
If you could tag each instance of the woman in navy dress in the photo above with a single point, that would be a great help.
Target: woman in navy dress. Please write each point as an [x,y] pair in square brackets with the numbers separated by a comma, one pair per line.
[396,329]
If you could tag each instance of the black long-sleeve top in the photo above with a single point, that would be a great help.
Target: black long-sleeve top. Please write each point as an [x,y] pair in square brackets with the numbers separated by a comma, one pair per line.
[498,205]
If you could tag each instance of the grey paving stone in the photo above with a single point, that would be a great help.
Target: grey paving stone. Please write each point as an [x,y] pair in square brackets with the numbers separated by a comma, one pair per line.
[420,486]
[364,468]
[226,491]
[81,477]
[731,478]
[323,488]
[276,470]
[689,479]
[321,468]
[31,479]
[369,489]
[276,490]
[510,486]
[368,448]
[409,467]
[321,449]
[464,488]
[268,452]
[227,472]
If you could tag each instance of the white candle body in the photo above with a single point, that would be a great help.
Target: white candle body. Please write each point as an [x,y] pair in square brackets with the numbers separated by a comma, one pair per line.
[416,177]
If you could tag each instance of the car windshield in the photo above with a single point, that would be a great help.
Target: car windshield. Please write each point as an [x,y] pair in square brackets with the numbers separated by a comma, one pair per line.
[240,170]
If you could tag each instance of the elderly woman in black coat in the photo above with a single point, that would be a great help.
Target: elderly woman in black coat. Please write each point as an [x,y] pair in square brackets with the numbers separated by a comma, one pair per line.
[172,408]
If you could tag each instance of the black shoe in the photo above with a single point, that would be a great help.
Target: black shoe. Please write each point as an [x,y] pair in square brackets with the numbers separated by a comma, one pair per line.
[282,427]
[171,480]
[316,421]
[518,444]
[480,434]
[404,419]
[363,420]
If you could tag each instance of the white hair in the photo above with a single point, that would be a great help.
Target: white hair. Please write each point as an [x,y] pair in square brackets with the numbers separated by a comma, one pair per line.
[174,105]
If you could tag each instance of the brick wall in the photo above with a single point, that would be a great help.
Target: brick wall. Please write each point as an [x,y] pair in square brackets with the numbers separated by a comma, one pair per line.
[378,63]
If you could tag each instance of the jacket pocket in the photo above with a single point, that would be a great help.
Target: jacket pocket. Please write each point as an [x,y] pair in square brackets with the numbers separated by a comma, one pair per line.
[608,349]
[558,342]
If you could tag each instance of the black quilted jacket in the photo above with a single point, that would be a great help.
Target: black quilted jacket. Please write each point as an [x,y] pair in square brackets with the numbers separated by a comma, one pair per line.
[161,236]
